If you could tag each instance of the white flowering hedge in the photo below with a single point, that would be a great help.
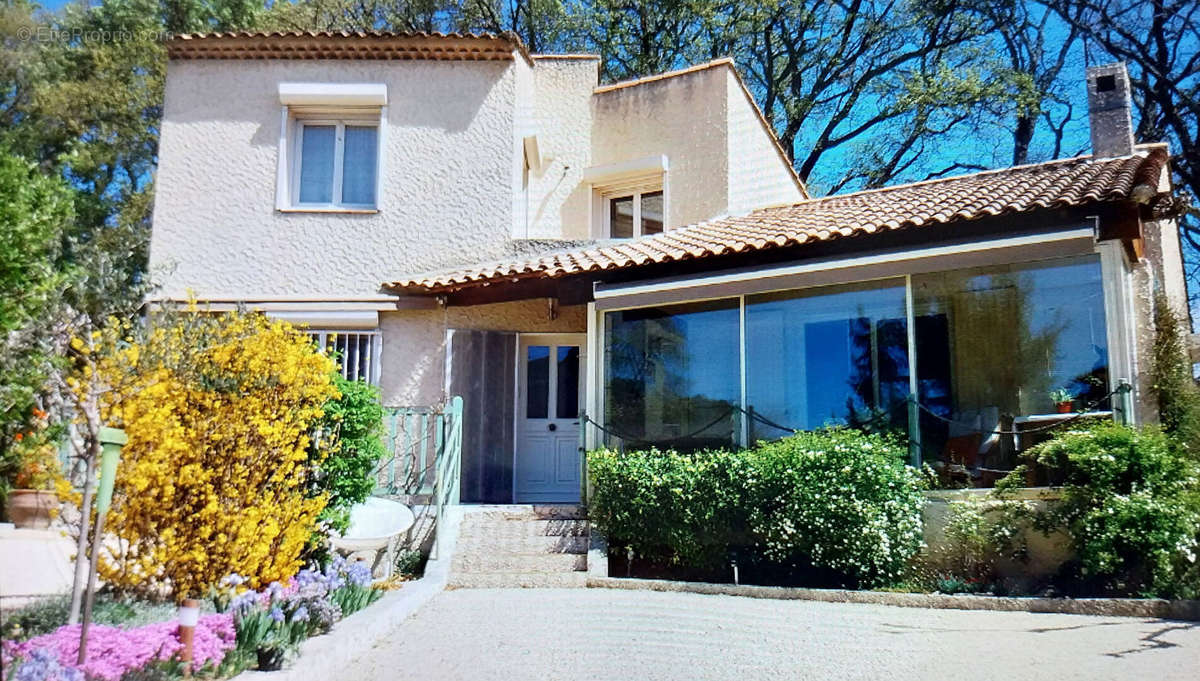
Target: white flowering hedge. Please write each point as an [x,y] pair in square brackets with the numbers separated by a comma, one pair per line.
[836,501]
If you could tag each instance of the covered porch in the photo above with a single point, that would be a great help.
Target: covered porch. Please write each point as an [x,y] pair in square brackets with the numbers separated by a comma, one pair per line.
[965,316]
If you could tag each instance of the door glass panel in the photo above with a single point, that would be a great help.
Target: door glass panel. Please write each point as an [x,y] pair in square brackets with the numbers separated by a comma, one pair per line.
[537,381]
[620,218]
[652,212]
[568,382]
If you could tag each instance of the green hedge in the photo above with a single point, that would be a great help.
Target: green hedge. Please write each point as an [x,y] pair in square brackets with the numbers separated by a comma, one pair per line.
[833,500]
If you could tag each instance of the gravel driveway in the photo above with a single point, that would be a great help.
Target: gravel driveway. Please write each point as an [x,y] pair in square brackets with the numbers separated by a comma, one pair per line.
[635,635]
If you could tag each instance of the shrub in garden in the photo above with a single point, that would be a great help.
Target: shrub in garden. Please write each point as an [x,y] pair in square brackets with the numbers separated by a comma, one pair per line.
[683,509]
[1131,506]
[836,499]
[353,422]
[218,411]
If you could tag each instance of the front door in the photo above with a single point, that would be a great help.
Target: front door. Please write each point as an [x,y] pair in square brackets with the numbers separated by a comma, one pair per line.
[550,386]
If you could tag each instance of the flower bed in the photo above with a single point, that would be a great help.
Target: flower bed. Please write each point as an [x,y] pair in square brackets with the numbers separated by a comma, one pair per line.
[113,651]
[252,629]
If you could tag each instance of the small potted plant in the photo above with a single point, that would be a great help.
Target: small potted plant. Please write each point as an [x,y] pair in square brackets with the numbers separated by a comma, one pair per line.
[1064,401]
[31,502]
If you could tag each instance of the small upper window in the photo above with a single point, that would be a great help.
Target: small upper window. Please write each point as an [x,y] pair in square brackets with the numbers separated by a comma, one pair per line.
[635,215]
[336,164]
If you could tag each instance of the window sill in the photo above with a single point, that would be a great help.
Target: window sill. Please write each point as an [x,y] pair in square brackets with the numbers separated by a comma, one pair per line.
[315,209]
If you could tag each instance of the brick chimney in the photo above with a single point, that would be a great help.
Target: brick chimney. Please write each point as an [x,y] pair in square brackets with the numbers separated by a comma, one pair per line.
[1109,110]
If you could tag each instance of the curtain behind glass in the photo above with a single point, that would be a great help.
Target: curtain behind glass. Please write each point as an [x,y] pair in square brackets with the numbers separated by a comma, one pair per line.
[672,371]
[316,163]
[358,165]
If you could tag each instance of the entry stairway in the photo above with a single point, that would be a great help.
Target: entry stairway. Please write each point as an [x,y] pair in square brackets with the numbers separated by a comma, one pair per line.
[520,546]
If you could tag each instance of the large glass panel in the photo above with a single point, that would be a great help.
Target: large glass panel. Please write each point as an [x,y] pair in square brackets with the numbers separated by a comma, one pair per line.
[537,382]
[672,375]
[620,218]
[568,382]
[358,165]
[652,212]
[316,163]
[826,356]
[994,343]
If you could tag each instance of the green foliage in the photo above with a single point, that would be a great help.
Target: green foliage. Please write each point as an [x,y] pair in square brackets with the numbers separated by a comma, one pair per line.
[1176,389]
[408,563]
[35,211]
[683,509]
[45,615]
[354,424]
[353,597]
[1131,506]
[834,500]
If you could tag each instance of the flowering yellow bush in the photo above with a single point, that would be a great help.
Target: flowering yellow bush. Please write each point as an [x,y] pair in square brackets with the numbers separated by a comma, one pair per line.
[218,411]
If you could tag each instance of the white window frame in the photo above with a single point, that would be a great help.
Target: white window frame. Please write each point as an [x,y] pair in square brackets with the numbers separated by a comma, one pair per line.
[374,352]
[637,209]
[339,148]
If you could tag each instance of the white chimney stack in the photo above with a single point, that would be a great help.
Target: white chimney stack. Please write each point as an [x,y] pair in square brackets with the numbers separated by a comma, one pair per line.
[1109,107]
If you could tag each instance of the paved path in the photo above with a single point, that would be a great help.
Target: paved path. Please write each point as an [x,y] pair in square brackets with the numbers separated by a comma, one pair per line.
[634,635]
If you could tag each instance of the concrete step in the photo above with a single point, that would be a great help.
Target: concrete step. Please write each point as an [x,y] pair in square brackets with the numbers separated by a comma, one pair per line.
[527,512]
[514,529]
[523,545]
[473,562]
[560,580]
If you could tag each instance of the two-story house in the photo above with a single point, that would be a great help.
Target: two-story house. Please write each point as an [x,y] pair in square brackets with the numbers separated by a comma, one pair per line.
[639,259]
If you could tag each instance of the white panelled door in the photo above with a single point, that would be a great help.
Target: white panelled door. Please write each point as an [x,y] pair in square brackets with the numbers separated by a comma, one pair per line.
[550,390]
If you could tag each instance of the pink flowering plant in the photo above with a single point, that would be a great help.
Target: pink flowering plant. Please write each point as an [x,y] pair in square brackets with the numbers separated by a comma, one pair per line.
[113,652]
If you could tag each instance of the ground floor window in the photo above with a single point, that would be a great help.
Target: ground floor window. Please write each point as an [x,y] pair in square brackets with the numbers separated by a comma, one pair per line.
[986,349]
[356,352]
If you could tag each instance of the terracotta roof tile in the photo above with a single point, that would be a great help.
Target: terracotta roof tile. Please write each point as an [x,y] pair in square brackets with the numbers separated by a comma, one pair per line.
[346,45]
[1055,184]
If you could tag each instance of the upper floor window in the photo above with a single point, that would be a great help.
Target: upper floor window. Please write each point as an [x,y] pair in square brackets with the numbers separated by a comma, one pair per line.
[629,198]
[336,164]
[638,214]
[330,141]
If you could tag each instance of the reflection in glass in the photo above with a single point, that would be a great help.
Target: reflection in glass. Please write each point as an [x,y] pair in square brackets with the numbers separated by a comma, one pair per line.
[995,341]
[537,381]
[620,218]
[568,382]
[672,371]
[827,356]
[652,212]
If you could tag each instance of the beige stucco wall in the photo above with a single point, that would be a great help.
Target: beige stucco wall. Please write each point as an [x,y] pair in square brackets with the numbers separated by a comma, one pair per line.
[446,190]
[683,118]
[414,342]
[1045,553]
[558,198]
[758,174]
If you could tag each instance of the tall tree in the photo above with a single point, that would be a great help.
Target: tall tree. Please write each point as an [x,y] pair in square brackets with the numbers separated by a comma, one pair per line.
[1159,40]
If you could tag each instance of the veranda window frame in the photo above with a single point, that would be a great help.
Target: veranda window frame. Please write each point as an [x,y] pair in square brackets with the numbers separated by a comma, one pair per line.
[1115,283]
[374,353]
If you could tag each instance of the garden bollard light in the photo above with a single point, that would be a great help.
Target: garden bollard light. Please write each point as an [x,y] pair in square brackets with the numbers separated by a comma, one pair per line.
[189,616]
[111,441]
